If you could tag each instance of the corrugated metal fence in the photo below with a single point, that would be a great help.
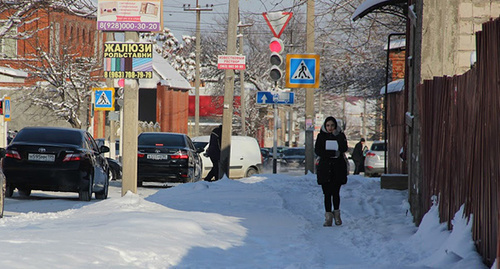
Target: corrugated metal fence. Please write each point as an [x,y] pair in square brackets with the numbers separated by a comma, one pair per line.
[460,143]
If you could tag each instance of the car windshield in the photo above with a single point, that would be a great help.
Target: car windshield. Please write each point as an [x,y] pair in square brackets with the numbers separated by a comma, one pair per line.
[51,136]
[378,147]
[199,144]
[165,140]
[294,151]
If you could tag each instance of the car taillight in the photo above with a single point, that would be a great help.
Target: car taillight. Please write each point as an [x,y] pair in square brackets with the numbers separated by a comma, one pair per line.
[72,157]
[140,155]
[12,154]
[180,155]
[371,154]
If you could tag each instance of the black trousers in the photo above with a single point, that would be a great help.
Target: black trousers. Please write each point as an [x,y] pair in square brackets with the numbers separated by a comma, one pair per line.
[331,192]
[359,167]
[214,172]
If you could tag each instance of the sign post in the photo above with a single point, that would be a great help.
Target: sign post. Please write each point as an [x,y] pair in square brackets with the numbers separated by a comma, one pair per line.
[130,61]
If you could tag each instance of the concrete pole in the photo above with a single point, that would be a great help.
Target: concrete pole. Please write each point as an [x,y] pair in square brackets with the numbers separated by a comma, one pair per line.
[229,91]
[242,83]
[242,90]
[309,139]
[197,74]
[129,128]
[197,70]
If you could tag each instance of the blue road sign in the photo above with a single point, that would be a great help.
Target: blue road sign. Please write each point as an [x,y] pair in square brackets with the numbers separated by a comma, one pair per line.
[104,99]
[6,109]
[302,71]
[286,98]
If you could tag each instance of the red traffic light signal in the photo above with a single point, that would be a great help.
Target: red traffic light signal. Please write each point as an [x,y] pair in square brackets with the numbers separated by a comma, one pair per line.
[276,45]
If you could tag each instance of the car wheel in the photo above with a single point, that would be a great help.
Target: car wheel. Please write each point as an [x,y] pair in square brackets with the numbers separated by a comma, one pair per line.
[24,192]
[250,172]
[86,195]
[9,191]
[111,174]
[104,193]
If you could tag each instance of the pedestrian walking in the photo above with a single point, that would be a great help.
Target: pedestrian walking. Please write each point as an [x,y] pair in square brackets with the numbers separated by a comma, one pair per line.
[213,152]
[331,144]
[358,156]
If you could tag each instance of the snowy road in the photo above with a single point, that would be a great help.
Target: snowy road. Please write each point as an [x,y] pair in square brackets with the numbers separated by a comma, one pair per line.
[265,221]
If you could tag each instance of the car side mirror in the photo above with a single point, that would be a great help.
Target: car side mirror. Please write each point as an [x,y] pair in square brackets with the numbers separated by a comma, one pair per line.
[104,149]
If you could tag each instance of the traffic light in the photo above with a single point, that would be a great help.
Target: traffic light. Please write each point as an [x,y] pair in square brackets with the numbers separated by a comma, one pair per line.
[276,47]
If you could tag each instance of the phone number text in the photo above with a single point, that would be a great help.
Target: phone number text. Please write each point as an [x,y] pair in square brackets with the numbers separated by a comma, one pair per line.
[129,26]
[128,74]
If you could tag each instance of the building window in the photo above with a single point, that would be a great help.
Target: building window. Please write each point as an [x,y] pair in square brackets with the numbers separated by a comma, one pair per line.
[8,45]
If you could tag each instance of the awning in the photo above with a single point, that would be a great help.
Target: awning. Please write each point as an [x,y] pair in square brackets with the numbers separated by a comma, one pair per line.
[394,86]
[369,6]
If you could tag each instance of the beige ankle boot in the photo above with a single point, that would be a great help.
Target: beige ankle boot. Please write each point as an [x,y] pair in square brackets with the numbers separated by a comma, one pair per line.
[328,219]
[336,215]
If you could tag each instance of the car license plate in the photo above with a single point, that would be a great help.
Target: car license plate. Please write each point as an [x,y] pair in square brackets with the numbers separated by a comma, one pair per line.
[41,157]
[157,156]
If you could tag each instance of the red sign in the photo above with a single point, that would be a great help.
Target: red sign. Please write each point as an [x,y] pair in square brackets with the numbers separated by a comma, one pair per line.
[231,62]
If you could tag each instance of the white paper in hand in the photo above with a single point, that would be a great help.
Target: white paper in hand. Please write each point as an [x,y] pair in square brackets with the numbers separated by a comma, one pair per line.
[331,145]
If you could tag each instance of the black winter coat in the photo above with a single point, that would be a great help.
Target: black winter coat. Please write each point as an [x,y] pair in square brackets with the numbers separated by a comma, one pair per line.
[214,144]
[332,166]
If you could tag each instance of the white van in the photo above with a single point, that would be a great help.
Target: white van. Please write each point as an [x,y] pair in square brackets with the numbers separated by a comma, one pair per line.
[245,159]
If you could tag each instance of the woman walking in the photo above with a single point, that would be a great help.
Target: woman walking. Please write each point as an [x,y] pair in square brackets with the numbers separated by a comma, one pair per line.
[331,143]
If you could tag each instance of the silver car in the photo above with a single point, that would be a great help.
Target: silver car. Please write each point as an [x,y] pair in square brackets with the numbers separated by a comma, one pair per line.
[375,159]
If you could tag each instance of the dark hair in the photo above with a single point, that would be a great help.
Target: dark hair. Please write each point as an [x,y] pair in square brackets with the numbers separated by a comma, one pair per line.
[330,118]
[362,140]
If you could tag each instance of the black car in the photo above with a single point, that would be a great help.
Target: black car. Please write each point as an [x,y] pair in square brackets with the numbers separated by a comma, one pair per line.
[115,166]
[167,157]
[293,158]
[56,159]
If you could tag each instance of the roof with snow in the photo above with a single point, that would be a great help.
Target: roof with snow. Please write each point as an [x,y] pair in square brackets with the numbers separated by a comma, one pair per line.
[165,74]
[396,44]
[370,5]
[13,72]
[394,86]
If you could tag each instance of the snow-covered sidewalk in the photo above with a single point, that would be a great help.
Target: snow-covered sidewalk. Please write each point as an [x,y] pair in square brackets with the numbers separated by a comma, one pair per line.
[265,221]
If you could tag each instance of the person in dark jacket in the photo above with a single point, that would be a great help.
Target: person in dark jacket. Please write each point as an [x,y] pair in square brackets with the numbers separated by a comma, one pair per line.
[358,157]
[213,152]
[331,144]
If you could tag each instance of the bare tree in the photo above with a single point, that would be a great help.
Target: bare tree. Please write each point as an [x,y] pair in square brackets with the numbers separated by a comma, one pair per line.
[65,84]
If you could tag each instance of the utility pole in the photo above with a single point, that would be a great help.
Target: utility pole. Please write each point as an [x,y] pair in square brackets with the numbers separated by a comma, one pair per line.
[197,70]
[129,128]
[229,90]
[242,82]
[310,92]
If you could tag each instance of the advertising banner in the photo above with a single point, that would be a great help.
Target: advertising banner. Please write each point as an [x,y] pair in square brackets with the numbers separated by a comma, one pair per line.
[130,15]
[128,60]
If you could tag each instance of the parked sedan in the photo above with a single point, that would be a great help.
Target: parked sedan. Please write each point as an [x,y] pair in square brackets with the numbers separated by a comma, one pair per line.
[167,157]
[293,158]
[56,159]
[115,166]
[375,159]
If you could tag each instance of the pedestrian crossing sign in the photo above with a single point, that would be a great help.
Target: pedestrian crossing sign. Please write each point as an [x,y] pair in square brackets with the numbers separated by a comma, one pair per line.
[104,99]
[302,71]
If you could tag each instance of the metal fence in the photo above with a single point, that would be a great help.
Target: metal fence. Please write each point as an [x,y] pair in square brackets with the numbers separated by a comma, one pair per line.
[460,143]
